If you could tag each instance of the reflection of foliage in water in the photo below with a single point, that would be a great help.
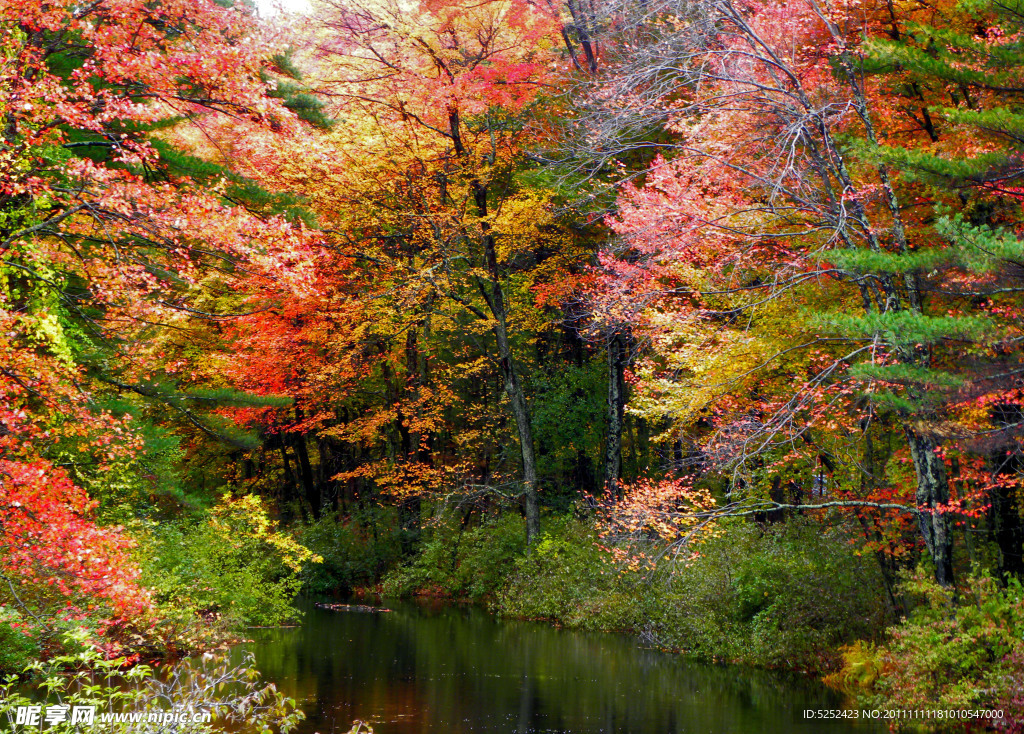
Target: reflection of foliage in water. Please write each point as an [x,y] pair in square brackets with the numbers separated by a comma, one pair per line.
[458,670]
[232,694]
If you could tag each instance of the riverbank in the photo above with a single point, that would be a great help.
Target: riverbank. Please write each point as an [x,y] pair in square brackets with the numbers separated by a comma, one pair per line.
[798,596]
[780,597]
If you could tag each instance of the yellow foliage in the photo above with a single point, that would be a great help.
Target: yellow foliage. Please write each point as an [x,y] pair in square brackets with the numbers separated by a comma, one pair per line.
[245,518]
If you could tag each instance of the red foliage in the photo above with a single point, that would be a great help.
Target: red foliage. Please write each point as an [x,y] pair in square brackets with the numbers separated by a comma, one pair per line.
[49,538]
[98,232]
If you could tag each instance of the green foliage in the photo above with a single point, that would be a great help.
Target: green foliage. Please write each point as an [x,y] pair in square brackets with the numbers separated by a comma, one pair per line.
[869,261]
[907,328]
[231,694]
[355,553]
[954,651]
[785,596]
[565,430]
[906,373]
[569,579]
[463,562]
[231,565]
[980,248]
[197,406]
[17,649]
[782,597]
[294,95]
[132,487]
[239,188]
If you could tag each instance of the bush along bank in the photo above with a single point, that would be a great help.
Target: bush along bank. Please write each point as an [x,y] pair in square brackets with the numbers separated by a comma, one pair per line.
[787,596]
[959,650]
[206,578]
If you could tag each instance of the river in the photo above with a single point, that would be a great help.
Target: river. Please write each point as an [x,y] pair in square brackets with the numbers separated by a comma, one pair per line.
[434,669]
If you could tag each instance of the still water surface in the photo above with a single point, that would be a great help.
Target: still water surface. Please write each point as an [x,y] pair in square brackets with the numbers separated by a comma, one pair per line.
[455,670]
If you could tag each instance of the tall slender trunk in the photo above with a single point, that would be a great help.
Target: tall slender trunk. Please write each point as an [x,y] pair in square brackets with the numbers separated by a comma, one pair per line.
[521,413]
[330,454]
[1007,531]
[513,387]
[616,410]
[869,474]
[495,298]
[410,508]
[932,482]
[1004,521]
[289,476]
[312,491]
[581,24]
[932,492]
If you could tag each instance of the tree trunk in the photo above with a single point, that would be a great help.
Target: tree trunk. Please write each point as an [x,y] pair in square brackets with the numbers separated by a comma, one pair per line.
[1004,518]
[312,491]
[409,520]
[1007,532]
[513,388]
[521,412]
[581,25]
[870,471]
[289,477]
[330,464]
[495,298]
[410,508]
[1004,521]
[617,359]
[932,491]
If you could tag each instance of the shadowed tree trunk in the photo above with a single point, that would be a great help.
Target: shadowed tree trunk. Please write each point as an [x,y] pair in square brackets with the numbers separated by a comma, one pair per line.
[1005,526]
[309,485]
[617,361]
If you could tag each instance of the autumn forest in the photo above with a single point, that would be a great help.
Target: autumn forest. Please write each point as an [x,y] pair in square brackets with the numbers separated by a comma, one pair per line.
[699,320]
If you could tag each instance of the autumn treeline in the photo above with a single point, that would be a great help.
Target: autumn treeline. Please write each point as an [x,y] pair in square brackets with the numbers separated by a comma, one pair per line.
[766,250]
[658,263]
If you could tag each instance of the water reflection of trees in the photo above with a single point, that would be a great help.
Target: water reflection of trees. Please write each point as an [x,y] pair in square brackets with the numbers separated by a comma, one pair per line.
[458,670]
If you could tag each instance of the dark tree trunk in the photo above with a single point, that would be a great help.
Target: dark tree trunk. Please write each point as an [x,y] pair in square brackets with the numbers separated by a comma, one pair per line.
[531,500]
[581,24]
[1005,526]
[617,361]
[312,491]
[870,471]
[289,476]
[1007,531]
[492,292]
[331,463]
[409,513]
[776,494]
[513,387]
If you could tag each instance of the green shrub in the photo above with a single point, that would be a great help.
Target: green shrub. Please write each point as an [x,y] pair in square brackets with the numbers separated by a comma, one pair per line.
[18,643]
[353,554]
[234,696]
[232,564]
[956,650]
[567,578]
[469,563]
[785,596]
